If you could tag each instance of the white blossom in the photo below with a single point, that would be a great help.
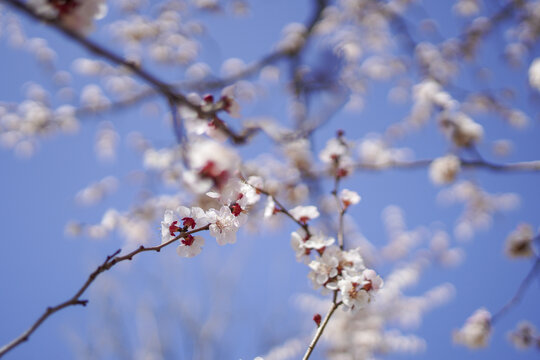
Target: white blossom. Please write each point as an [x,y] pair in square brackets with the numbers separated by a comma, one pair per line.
[444,170]
[519,244]
[349,197]
[324,270]
[298,243]
[534,74]
[168,220]
[304,213]
[318,241]
[192,218]
[75,15]
[224,224]
[190,246]
[354,297]
[526,335]
[270,207]
[335,148]
[475,333]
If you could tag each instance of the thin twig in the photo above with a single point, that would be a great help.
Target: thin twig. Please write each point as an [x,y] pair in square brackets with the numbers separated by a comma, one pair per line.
[109,262]
[282,209]
[519,293]
[525,166]
[341,207]
[321,328]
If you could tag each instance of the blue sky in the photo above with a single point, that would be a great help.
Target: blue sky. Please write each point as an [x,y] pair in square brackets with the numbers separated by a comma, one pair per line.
[40,266]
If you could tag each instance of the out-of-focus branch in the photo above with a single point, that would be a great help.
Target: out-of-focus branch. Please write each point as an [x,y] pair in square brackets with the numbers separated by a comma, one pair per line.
[159,86]
[99,50]
[209,85]
[109,262]
[520,291]
[524,166]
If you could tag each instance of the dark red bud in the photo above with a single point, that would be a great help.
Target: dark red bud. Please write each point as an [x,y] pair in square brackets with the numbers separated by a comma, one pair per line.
[317,318]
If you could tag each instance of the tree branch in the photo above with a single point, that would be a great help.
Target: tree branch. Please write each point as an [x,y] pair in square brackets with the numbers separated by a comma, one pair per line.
[109,262]
[519,293]
[321,328]
[524,166]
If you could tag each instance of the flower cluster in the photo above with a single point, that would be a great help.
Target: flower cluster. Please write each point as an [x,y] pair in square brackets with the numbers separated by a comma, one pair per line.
[334,269]
[223,223]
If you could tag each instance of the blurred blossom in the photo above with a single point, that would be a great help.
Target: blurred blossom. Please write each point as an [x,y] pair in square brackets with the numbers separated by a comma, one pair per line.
[106,142]
[466,7]
[476,331]
[525,336]
[519,244]
[293,37]
[96,192]
[534,74]
[479,206]
[444,170]
[77,16]
[502,147]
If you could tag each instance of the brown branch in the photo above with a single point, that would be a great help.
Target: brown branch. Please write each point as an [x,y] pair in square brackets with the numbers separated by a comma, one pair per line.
[340,205]
[97,49]
[321,328]
[109,262]
[201,86]
[282,209]
[159,86]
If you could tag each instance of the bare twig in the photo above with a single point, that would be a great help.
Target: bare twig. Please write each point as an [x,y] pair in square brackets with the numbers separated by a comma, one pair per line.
[524,166]
[519,293]
[282,209]
[109,262]
[321,328]
[342,209]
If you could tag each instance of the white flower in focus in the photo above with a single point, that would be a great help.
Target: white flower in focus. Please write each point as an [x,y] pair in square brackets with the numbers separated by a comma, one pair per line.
[304,213]
[353,295]
[443,170]
[371,281]
[270,207]
[168,226]
[237,193]
[349,197]
[319,241]
[190,246]
[351,262]
[298,244]
[475,333]
[534,74]
[324,270]
[224,224]
[192,218]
